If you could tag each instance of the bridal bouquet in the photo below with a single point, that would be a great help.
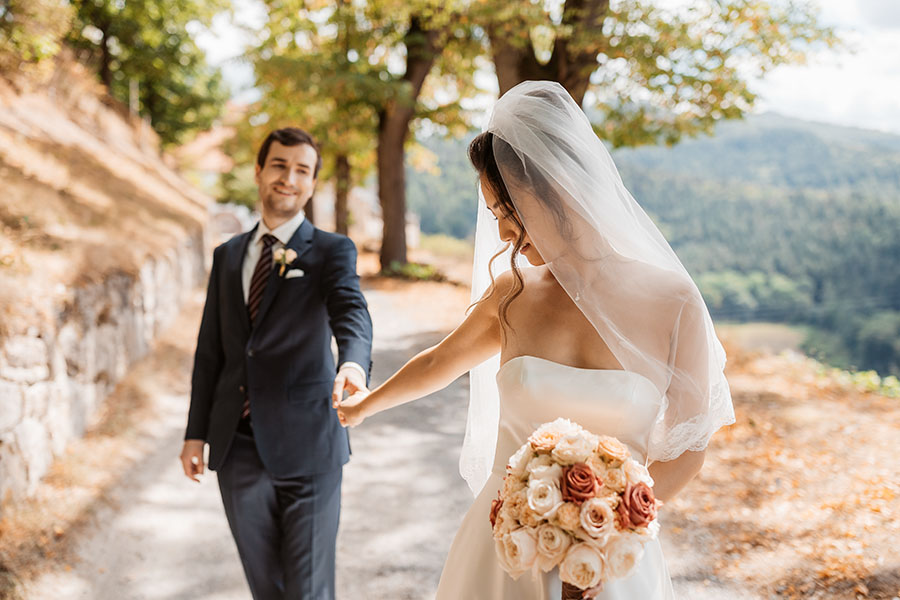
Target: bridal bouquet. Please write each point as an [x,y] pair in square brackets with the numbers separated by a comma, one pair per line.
[577,501]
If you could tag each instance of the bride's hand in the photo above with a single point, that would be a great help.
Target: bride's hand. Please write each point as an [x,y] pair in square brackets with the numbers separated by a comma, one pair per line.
[350,411]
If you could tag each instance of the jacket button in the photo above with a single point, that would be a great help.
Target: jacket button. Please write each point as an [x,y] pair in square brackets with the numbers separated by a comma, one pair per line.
[250,353]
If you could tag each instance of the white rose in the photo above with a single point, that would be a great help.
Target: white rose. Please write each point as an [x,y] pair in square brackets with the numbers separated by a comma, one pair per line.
[278,255]
[544,496]
[573,448]
[584,566]
[598,519]
[623,553]
[519,460]
[552,543]
[636,473]
[537,461]
[517,551]
[542,467]
[560,425]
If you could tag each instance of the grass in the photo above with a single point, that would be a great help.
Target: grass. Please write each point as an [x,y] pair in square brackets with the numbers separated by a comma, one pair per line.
[446,246]
[414,272]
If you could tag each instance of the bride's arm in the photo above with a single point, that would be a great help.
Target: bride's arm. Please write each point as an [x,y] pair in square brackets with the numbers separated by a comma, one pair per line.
[670,477]
[692,362]
[475,340]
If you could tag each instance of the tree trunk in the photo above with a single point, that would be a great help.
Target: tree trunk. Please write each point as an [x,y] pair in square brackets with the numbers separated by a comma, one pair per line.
[341,191]
[105,58]
[571,65]
[393,129]
[392,187]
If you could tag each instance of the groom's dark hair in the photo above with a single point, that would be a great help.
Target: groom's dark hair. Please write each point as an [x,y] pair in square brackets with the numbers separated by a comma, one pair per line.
[288,136]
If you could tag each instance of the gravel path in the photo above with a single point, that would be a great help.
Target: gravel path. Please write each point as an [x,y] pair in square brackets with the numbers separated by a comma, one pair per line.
[164,537]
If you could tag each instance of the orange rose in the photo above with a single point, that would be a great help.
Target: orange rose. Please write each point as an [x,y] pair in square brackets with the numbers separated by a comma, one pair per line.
[611,448]
[545,441]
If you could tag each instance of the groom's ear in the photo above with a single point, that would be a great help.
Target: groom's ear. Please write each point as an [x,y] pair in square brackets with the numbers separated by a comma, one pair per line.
[256,170]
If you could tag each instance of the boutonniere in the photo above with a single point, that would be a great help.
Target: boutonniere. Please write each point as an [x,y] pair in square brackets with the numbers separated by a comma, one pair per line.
[284,257]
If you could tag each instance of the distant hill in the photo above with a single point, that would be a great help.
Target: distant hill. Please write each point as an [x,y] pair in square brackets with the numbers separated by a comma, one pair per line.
[773,150]
[777,219]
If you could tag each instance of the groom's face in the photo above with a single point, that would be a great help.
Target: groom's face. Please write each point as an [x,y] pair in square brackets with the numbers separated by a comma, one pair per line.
[287,179]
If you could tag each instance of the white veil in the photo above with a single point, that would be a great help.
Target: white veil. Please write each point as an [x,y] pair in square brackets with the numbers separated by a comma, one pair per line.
[612,261]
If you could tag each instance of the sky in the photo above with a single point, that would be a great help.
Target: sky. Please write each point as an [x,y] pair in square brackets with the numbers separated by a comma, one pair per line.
[861,88]
[858,87]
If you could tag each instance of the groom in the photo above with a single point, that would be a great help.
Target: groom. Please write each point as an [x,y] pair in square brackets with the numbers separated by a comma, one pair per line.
[264,379]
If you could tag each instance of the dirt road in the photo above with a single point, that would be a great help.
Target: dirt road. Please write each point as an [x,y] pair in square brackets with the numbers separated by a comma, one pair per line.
[160,536]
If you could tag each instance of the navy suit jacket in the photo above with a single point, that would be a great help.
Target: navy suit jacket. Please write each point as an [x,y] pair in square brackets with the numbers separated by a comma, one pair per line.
[283,362]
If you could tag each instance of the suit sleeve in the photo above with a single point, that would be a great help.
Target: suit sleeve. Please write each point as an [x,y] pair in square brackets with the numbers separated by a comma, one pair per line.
[348,312]
[208,359]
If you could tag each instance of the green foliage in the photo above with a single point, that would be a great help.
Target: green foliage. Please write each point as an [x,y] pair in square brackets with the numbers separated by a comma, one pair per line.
[878,342]
[828,347]
[148,42]
[237,186]
[445,198]
[676,72]
[31,31]
[868,381]
[650,73]
[336,69]
[414,272]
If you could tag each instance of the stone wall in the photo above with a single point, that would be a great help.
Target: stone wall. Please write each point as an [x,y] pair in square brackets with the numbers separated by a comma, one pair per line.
[53,381]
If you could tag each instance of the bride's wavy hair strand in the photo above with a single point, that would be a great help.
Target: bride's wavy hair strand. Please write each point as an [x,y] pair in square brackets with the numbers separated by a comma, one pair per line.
[481,155]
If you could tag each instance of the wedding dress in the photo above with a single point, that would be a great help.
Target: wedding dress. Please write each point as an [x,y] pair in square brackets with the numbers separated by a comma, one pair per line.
[623,404]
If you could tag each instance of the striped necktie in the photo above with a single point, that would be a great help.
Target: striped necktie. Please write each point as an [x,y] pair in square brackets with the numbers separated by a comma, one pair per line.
[260,276]
[257,288]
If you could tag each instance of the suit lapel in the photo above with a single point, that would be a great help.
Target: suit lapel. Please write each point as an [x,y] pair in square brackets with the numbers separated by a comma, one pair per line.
[235,283]
[300,242]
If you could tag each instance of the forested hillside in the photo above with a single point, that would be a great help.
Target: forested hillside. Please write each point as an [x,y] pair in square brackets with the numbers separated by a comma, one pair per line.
[777,219]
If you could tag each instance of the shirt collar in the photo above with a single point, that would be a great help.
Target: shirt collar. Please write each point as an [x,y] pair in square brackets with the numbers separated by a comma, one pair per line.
[284,232]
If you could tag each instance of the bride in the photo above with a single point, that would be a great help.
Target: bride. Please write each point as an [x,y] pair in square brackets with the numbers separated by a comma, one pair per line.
[603,326]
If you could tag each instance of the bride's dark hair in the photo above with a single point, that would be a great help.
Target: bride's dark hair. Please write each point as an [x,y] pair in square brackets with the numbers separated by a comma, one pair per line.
[481,155]
[483,152]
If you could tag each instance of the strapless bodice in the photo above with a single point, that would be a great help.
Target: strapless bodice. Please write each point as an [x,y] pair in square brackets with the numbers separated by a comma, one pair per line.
[533,390]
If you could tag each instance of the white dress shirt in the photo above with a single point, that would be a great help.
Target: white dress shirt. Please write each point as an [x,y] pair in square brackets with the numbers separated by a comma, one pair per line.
[283,233]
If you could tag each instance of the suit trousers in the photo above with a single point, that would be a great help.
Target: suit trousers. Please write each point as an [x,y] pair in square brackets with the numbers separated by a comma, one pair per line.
[285,528]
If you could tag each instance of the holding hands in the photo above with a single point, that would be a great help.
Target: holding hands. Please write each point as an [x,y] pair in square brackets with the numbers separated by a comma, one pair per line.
[349,379]
[351,411]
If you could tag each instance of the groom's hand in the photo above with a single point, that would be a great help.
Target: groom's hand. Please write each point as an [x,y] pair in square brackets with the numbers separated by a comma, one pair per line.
[192,458]
[349,379]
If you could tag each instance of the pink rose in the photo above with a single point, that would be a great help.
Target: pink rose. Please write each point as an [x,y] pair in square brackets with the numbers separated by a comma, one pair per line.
[579,483]
[637,507]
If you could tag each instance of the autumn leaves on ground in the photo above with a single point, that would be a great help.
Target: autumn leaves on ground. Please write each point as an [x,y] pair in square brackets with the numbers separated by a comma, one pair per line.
[798,499]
